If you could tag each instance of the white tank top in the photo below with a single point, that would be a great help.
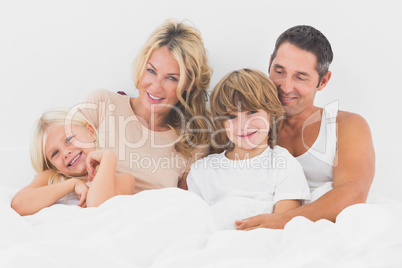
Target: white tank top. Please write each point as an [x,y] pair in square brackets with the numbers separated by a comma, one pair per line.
[70,199]
[319,160]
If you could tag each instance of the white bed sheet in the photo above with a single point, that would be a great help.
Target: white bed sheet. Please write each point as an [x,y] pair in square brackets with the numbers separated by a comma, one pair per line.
[175,228]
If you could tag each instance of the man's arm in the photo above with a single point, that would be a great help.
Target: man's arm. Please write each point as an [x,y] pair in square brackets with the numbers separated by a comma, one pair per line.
[352,178]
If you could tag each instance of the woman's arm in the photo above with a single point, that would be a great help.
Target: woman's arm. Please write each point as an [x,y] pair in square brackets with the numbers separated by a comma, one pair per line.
[105,183]
[198,154]
[183,182]
[38,194]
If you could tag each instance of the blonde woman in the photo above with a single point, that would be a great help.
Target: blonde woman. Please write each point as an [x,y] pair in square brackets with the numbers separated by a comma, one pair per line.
[63,153]
[157,135]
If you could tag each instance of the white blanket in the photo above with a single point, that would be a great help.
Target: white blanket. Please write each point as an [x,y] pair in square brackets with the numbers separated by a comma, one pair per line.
[175,228]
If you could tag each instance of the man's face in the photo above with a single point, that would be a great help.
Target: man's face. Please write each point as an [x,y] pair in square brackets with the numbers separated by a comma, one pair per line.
[294,74]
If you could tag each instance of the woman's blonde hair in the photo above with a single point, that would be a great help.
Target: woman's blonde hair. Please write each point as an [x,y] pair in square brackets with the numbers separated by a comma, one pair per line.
[186,46]
[38,138]
[245,90]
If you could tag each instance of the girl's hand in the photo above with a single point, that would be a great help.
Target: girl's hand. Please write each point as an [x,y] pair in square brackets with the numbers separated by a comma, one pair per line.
[94,159]
[81,190]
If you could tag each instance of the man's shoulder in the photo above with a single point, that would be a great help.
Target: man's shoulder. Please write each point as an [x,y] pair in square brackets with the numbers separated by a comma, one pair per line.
[351,123]
[349,118]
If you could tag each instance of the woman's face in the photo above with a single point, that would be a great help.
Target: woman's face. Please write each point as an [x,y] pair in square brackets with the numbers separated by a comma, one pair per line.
[157,89]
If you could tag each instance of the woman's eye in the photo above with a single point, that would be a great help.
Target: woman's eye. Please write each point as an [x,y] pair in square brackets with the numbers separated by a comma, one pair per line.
[68,140]
[231,117]
[252,112]
[174,79]
[151,71]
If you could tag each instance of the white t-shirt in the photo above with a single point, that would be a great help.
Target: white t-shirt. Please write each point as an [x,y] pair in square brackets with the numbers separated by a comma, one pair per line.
[70,199]
[237,189]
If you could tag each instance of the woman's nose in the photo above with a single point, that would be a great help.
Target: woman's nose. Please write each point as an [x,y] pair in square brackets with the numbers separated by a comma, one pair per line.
[156,83]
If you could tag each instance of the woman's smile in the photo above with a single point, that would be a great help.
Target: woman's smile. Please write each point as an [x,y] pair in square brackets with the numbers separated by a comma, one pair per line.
[154,99]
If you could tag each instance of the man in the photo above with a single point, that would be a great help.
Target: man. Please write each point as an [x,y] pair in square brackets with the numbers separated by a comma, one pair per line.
[338,152]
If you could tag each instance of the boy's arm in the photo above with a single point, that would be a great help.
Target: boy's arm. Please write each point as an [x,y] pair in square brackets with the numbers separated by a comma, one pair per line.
[38,194]
[286,205]
[106,183]
[352,178]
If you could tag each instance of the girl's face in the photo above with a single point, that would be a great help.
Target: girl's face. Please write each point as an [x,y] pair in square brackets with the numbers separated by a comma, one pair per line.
[248,130]
[157,89]
[67,148]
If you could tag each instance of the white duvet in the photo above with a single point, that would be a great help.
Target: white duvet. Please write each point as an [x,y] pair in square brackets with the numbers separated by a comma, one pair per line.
[175,228]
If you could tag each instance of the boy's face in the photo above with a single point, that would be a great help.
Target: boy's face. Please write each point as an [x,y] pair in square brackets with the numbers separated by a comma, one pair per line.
[248,130]
[68,152]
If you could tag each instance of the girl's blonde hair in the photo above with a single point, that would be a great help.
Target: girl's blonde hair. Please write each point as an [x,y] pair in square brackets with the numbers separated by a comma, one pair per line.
[38,138]
[245,90]
[190,113]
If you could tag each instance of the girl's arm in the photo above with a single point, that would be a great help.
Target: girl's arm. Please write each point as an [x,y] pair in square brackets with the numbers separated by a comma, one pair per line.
[286,205]
[38,194]
[105,183]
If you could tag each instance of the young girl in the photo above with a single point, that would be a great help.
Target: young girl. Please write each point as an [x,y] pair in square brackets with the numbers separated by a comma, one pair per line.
[252,176]
[64,155]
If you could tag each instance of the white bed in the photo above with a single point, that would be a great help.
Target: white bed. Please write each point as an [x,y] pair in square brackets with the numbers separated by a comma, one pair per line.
[54,53]
[175,228]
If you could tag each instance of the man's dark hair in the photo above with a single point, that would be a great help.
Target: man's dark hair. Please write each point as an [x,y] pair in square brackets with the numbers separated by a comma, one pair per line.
[310,39]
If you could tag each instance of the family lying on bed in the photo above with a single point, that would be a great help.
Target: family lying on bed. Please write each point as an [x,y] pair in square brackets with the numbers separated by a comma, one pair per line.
[264,138]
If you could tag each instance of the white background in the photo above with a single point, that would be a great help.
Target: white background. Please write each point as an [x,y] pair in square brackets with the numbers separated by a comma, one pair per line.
[53,53]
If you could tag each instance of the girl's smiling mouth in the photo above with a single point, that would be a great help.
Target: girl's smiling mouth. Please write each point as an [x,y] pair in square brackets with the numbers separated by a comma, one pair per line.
[75,160]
